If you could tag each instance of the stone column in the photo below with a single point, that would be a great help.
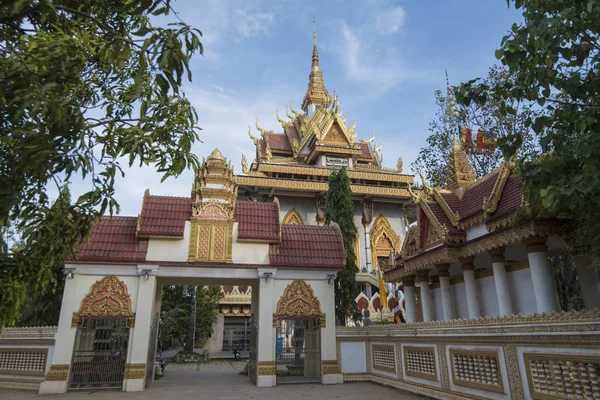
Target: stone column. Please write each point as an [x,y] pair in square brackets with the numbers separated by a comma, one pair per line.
[501,282]
[58,376]
[471,288]
[410,299]
[135,371]
[367,238]
[426,300]
[589,280]
[445,290]
[266,334]
[542,277]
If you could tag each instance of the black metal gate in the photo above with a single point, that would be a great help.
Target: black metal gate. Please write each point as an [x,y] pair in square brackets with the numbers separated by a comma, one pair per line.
[253,358]
[298,351]
[151,357]
[236,334]
[99,354]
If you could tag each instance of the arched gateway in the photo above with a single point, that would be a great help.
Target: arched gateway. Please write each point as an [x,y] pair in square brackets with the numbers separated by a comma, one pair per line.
[107,329]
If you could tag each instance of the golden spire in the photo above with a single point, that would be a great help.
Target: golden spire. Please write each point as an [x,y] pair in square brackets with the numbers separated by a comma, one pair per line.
[459,173]
[316,92]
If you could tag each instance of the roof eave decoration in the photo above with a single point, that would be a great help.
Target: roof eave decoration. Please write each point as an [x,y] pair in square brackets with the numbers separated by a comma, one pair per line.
[421,200]
[490,204]
[453,216]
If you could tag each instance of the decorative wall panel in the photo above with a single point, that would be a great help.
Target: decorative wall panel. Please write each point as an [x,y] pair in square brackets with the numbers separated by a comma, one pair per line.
[554,376]
[383,357]
[477,369]
[420,362]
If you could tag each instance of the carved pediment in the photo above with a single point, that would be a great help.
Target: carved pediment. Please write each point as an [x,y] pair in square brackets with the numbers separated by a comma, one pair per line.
[107,298]
[298,301]
[335,136]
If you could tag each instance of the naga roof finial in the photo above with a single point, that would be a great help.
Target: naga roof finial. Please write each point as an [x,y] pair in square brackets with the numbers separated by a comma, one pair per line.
[254,139]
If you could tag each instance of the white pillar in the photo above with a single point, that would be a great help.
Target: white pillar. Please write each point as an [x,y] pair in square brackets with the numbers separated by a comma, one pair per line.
[471,288]
[542,277]
[589,280]
[445,291]
[266,334]
[426,301]
[501,282]
[410,299]
[57,378]
[367,239]
[140,335]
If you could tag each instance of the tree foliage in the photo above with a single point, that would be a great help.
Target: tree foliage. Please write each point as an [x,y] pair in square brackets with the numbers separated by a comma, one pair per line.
[176,311]
[554,56]
[85,87]
[339,209]
[433,159]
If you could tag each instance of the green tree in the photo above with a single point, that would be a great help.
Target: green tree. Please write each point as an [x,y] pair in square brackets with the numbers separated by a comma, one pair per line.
[554,56]
[339,209]
[85,87]
[177,316]
[433,159]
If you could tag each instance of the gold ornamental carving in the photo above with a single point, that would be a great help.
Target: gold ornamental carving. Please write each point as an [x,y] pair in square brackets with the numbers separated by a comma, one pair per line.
[330,367]
[490,203]
[292,218]
[107,298]
[211,240]
[58,373]
[135,371]
[266,368]
[383,239]
[298,301]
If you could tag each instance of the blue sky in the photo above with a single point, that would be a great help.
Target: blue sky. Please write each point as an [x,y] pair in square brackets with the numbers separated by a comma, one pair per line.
[385,58]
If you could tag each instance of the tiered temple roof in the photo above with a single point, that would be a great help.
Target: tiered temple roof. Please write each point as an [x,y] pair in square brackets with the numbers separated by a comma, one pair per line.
[313,141]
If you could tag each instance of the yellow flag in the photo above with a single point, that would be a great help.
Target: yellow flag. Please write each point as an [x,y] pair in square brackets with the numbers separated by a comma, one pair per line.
[382,291]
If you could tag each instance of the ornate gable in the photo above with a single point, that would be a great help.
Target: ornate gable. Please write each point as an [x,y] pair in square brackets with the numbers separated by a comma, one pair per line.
[107,298]
[298,301]
[335,136]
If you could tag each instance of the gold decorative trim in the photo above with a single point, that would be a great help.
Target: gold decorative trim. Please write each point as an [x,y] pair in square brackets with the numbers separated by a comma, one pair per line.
[330,367]
[490,204]
[499,223]
[58,373]
[316,186]
[453,216]
[135,371]
[384,348]
[211,240]
[323,148]
[417,374]
[491,354]
[298,301]
[382,229]
[266,368]
[292,218]
[107,298]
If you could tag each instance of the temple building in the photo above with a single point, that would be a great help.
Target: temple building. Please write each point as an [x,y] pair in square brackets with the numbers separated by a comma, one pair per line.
[294,164]
[476,251]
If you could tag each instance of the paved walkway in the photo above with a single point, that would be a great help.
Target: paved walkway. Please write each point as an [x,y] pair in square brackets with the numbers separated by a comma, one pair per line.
[220,380]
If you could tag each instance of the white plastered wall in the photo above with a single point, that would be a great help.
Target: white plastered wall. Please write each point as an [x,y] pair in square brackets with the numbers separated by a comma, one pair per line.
[248,252]
[170,249]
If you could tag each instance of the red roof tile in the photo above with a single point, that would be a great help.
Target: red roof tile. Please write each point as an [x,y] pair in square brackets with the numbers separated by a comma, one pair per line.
[452,200]
[472,202]
[292,134]
[257,220]
[441,216]
[279,142]
[511,199]
[164,216]
[308,246]
[366,151]
[114,240]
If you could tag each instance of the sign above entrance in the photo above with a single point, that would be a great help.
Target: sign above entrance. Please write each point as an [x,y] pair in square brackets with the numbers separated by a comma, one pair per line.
[336,162]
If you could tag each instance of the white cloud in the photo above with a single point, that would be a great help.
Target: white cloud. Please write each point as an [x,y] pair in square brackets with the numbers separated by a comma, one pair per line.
[249,24]
[389,21]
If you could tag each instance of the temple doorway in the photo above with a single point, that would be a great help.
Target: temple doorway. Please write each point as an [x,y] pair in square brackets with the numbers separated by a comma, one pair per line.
[298,351]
